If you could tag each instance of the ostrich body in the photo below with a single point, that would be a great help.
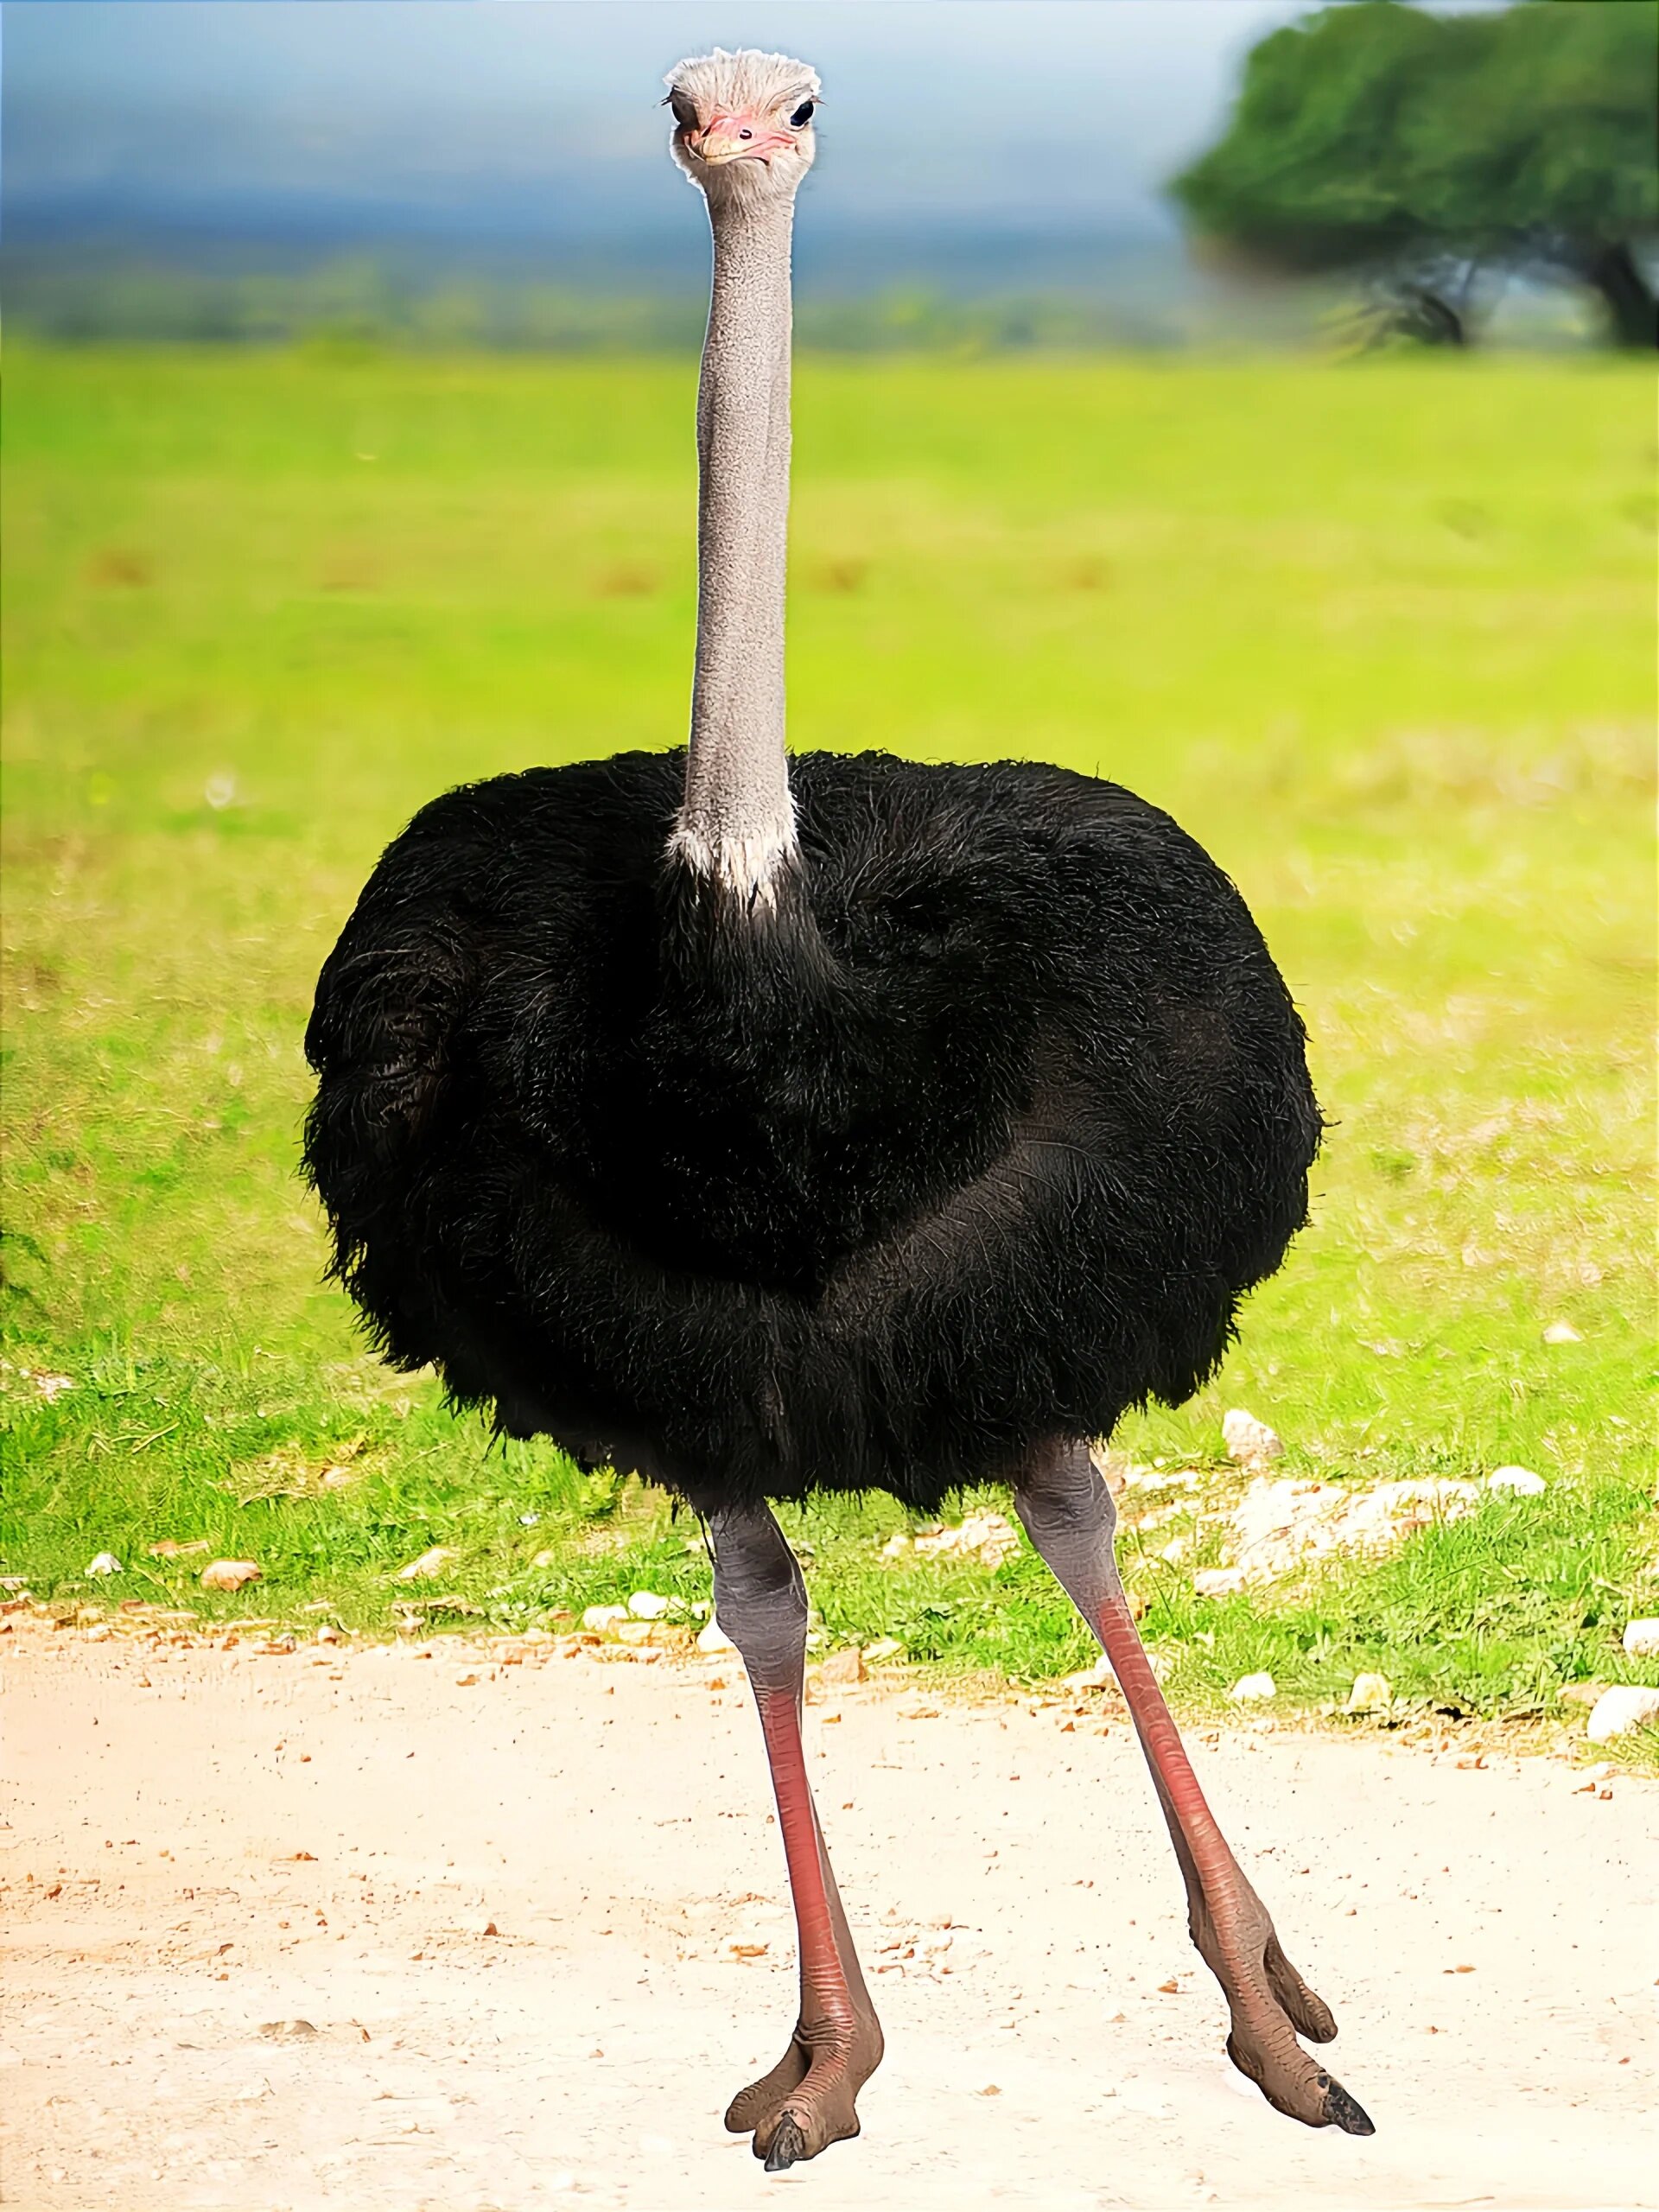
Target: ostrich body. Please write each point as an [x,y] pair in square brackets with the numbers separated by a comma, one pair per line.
[839,1124]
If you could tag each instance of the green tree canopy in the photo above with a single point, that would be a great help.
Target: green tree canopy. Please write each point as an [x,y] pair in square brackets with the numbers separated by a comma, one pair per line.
[1377,136]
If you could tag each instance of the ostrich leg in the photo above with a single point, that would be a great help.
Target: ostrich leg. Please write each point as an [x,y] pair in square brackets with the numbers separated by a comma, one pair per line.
[1069,1515]
[806,2102]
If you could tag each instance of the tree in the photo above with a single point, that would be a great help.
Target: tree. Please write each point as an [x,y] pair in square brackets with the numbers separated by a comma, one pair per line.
[1380,139]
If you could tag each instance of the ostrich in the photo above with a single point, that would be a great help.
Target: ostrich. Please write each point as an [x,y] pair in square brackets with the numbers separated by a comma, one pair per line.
[840,1124]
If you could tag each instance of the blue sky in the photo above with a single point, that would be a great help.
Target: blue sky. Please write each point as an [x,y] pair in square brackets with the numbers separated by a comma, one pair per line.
[1023,112]
[538,119]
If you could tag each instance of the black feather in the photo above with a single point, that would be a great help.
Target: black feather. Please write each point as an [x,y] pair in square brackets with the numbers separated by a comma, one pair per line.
[970,1140]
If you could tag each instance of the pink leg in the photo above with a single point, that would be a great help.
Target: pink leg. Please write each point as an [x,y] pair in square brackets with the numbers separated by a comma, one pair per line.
[1069,1515]
[807,2101]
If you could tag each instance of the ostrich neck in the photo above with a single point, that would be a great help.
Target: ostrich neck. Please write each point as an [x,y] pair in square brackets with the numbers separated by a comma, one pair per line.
[736,825]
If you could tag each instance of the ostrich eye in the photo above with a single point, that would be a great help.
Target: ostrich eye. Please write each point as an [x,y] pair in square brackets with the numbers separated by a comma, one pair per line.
[803,115]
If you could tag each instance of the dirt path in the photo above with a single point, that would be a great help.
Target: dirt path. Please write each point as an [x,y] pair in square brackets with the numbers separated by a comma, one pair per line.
[220,1842]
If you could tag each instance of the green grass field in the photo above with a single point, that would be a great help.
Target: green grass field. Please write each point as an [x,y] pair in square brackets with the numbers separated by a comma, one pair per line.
[1381,636]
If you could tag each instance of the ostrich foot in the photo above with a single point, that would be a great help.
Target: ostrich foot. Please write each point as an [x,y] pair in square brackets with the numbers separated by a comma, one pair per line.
[1271,2005]
[806,2102]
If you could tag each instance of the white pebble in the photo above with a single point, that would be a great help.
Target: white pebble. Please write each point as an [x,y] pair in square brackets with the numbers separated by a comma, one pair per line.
[1562,1332]
[714,1638]
[1641,1639]
[1370,1693]
[646,1606]
[1621,1708]
[598,1618]
[105,1563]
[1218,1581]
[1247,1439]
[1251,1689]
[1520,1480]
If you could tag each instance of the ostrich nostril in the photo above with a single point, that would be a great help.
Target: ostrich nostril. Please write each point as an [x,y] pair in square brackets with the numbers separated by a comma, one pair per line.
[745,133]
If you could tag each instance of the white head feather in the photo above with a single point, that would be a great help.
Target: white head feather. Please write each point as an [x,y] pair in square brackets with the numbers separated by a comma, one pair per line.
[767,98]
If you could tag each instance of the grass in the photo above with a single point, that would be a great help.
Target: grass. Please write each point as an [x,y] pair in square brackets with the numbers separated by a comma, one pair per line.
[1379,636]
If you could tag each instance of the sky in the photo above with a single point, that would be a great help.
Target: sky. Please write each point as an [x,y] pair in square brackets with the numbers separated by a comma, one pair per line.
[485,121]
[542,113]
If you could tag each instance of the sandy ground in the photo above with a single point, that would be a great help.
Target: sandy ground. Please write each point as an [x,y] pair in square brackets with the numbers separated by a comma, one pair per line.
[219,1843]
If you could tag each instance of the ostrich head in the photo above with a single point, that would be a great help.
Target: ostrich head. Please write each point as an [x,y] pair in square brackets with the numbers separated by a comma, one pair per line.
[743,124]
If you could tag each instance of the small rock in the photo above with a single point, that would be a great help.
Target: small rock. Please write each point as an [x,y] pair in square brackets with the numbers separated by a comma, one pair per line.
[885,1647]
[478,1923]
[896,1547]
[714,1639]
[598,1619]
[646,1606]
[631,1632]
[1521,1481]
[466,1682]
[229,1574]
[429,1565]
[1562,1332]
[546,1558]
[105,1563]
[287,2030]
[1641,1639]
[1252,1689]
[1370,1693]
[1218,1581]
[1100,1676]
[844,1666]
[1248,1440]
[327,1633]
[1627,1705]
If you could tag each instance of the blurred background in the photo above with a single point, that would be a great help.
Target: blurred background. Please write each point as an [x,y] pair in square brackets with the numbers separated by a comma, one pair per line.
[1007,173]
[1251,404]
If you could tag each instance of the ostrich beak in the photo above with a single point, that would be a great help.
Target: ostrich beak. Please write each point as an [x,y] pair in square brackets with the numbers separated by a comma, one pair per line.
[742,137]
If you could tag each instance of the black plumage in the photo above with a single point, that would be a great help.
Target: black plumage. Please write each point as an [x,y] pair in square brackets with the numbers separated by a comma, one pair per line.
[970,1138]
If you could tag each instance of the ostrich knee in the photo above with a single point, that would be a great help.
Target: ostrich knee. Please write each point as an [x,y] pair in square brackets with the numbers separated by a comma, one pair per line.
[760,1598]
[1067,1511]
